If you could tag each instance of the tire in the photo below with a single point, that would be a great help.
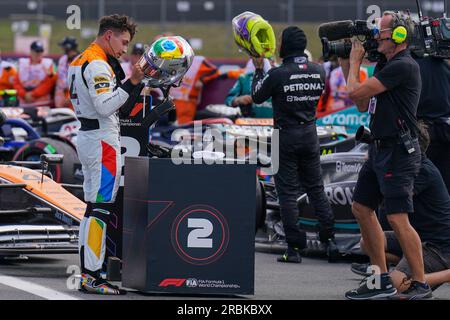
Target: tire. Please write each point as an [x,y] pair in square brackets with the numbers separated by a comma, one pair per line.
[260,205]
[62,173]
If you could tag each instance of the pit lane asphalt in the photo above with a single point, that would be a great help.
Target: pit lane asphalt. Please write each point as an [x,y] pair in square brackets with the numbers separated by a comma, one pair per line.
[313,279]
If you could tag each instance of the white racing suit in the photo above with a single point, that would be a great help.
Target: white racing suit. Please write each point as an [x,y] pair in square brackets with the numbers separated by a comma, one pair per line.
[96,99]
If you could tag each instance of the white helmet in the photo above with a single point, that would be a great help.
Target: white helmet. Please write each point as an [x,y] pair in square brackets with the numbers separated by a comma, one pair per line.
[167,61]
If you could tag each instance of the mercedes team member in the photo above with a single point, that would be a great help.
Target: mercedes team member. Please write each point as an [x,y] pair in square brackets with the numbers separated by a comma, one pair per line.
[391,97]
[434,110]
[97,94]
[295,88]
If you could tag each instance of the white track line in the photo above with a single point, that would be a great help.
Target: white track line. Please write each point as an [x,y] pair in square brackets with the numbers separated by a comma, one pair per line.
[34,289]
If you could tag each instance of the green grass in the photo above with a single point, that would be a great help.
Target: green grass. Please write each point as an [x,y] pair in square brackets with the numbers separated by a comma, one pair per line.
[217,37]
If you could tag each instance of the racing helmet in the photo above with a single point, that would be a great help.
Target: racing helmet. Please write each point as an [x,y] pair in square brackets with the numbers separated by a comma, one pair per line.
[166,61]
[254,35]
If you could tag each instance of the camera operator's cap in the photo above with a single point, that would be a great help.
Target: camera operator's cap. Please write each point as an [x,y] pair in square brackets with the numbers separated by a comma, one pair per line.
[293,41]
[138,49]
[37,46]
[68,43]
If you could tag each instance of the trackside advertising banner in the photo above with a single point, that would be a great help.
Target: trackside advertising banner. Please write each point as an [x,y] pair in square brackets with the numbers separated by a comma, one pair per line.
[351,118]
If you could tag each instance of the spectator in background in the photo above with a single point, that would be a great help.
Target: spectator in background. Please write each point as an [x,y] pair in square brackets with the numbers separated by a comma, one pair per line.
[36,77]
[7,74]
[240,94]
[70,48]
[326,99]
[136,53]
[187,96]
[335,96]
[338,89]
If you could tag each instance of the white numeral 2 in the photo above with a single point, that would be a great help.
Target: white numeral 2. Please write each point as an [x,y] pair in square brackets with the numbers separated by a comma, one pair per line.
[203,229]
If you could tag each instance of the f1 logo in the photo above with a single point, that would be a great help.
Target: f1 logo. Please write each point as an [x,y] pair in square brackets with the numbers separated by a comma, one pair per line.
[172,282]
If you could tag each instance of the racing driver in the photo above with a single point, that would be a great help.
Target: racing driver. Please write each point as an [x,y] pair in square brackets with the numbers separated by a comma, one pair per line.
[96,92]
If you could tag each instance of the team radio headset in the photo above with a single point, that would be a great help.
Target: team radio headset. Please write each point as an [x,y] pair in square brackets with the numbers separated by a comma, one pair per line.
[400,30]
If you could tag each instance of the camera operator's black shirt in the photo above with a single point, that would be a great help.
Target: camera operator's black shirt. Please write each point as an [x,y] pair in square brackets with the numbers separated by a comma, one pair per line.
[295,88]
[401,77]
[435,97]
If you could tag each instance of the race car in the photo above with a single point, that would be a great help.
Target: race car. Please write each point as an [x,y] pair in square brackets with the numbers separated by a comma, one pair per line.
[38,215]
[332,139]
[340,173]
[30,132]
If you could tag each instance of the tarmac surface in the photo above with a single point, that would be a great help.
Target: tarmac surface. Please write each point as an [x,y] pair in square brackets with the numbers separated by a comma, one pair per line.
[47,277]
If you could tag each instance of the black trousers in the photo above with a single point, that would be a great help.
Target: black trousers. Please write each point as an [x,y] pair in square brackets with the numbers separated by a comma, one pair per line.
[439,149]
[299,168]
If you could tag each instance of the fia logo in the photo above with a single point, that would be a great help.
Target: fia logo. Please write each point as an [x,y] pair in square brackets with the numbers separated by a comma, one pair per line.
[191,283]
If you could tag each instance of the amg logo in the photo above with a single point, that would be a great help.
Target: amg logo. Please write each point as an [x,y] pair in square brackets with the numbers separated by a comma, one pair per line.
[305,76]
[343,167]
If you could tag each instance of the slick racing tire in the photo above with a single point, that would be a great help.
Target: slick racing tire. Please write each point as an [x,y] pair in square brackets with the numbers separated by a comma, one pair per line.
[62,173]
[260,206]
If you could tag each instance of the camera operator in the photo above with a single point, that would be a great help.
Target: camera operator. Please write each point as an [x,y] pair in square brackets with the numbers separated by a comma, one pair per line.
[434,110]
[391,97]
[295,88]
[431,219]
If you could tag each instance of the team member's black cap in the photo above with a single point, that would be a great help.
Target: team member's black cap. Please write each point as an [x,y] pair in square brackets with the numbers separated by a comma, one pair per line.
[69,43]
[37,46]
[138,49]
[293,41]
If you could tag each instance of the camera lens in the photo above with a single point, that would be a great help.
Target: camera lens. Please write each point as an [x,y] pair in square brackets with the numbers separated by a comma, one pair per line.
[341,49]
[337,48]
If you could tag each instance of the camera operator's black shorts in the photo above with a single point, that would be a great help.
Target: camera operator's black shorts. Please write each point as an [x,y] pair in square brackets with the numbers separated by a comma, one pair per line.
[388,174]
